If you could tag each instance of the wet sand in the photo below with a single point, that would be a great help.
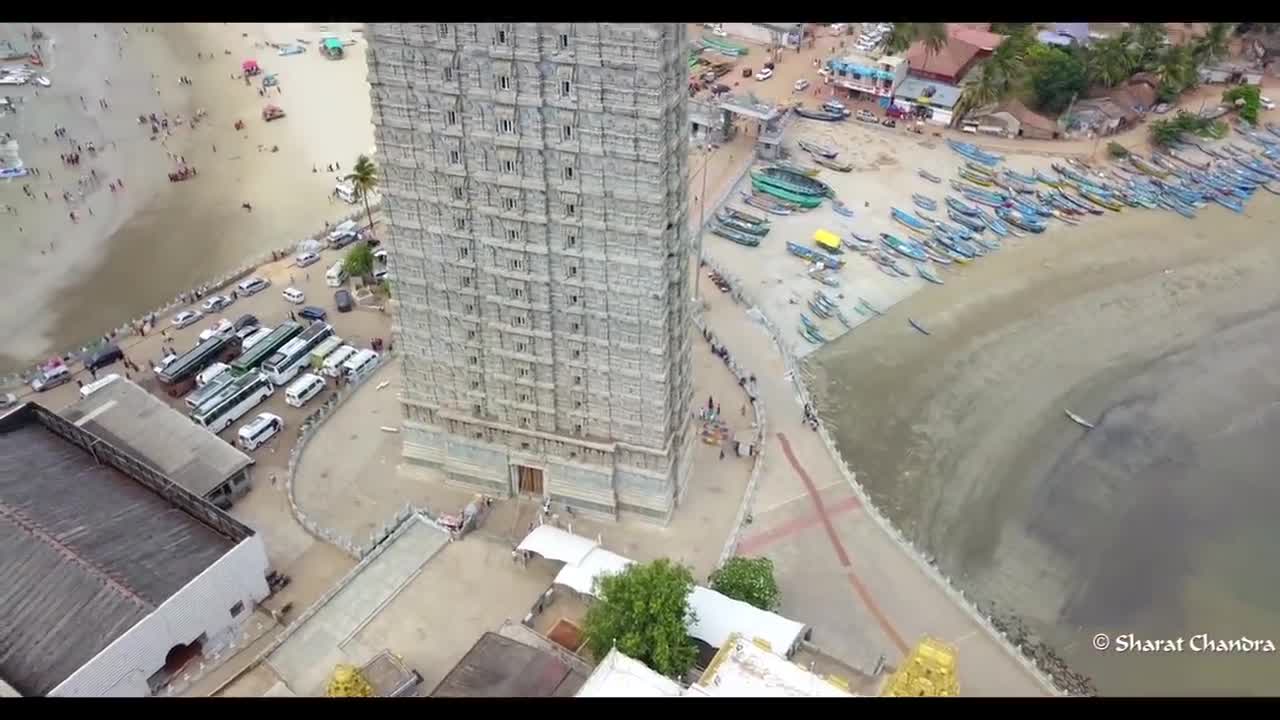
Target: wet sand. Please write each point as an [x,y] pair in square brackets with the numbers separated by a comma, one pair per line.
[1160,329]
[143,246]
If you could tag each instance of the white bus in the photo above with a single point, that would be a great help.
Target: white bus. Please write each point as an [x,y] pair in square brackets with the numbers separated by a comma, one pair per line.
[359,365]
[332,365]
[285,364]
[323,350]
[233,401]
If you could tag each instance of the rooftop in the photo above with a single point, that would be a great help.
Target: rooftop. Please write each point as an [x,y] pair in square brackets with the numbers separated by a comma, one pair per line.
[621,676]
[498,666]
[948,62]
[86,552]
[744,669]
[129,417]
[981,38]
[942,94]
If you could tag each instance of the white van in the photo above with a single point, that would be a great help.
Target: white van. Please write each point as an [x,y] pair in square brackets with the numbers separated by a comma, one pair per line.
[211,372]
[259,430]
[335,275]
[333,363]
[97,385]
[359,365]
[346,192]
[303,389]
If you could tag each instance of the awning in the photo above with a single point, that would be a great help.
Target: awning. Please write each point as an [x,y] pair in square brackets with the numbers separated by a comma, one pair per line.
[719,616]
[332,44]
[827,239]
[582,576]
[249,65]
[553,543]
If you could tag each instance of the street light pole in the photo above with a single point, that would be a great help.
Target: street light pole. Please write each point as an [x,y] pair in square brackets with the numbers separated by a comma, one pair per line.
[702,218]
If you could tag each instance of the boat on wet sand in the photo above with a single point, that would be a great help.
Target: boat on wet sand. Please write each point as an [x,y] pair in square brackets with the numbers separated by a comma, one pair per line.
[906,249]
[818,150]
[832,164]
[736,236]
[923,202]
[929,176]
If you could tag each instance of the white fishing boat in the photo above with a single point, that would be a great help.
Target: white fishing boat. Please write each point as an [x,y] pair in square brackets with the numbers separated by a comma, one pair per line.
[43,81]
[1080,421]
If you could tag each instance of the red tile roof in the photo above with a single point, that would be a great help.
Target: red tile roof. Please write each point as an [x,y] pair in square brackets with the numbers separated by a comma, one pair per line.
[981,38]
[947,62]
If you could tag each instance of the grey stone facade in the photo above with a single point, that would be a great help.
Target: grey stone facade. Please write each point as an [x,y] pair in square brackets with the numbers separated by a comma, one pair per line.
[534,178]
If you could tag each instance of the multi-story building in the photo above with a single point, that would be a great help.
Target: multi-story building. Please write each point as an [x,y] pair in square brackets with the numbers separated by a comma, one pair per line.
[534,179]
[867,77]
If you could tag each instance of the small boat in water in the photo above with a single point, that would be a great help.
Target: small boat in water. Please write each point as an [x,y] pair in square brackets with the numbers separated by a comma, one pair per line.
[929,275]
[929,176]
[818,150]
[1079,420]
[918,326]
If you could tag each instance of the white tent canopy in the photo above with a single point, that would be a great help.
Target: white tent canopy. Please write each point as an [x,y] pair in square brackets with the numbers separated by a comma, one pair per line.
[620,676]
[719,616]
[553,543]
[582,576]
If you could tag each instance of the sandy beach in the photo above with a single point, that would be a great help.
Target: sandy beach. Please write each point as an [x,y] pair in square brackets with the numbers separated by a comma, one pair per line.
[1155,327]
[133,250]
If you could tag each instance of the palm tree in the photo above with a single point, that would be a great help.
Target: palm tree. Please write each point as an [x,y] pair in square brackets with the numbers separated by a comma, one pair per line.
[933,35]
[1176,68]
[988,87]
[1006,63]
[1213,44]
[1109,62]
[364,178]
[1148,39]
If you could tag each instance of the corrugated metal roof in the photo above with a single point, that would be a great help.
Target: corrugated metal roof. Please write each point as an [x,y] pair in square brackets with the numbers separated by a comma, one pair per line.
[134,420]
[501,667]
[85,553]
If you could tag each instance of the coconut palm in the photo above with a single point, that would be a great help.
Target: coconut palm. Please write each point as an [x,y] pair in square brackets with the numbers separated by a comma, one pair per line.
[986,88]
[1109,62]
[933,35]
[1176,68]
[1148,39]
[364,178]
[1006,62]
[1213,44]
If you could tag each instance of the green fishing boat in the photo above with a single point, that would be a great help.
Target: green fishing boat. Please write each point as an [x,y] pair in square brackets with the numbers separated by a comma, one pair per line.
[729,233]
[804,201]
[742,225]
[806,183]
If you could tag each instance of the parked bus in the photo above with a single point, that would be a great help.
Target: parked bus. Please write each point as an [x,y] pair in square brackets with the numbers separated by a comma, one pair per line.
[323,350]
[266,347]
[283,365]
[199,396]
[233,401]
[179,375]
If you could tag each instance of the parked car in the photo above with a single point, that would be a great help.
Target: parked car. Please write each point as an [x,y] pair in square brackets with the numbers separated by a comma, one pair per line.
[245,321]
[221,326]
[252,286]
[52,377]
[103,357]
[868,116]
[313,313]
[307,258]
[800,85]
[833,106]
[217,303]
[293,295]
[764,74]
[1266,103]
[185,318]
[889,122]
[342,300]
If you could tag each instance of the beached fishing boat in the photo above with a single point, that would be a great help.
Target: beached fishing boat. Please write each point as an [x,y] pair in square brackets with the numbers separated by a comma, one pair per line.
[737,236]
[1229,203]
[979,168]
[923,202]
[799,179]
[796,168]
[811,335]
[862,302]
[819,310]
[961,207]
[833,164]
[929,176]
[1079,420]
[973,152]
[1147,166]
[786,185]
[1095,197]
[975,178]
[906,249]
[1027,179]
[817,150]
[929,275]
[807,202]
[1019,220]
[750,228]
[1047,179]
[822,115]
[968,221]
[842,209]
[1065,217]
[918,326]
[909,220]
[746,216]
[767,204]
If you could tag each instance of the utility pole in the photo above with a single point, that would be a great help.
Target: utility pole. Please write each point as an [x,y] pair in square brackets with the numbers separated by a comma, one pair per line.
[702,218]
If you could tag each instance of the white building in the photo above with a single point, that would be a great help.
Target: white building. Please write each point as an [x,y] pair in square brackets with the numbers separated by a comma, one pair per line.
[773,34]
[114,576]
[535,180]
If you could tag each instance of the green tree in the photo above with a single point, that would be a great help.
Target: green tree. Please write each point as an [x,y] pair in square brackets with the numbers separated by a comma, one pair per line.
[982,90]
[1213,44]
[1248,98]
[1164,132]
[1176,69]
[1149,39]
[644,611]
[933,35]
[359,261]
[1116,150]
[749,580]
[1056,77]
[364,178]
[1109,62]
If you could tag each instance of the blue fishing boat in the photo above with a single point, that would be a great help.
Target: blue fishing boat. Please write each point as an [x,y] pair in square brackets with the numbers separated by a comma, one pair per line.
[906,249]
[1027,179]
[923,202]
[961,233]
[1229,203]
[929,275]
[1020,220]
[1047,179]
[972,152]
[842,210]
[956,246]
[909,220]
[984,200]
[967,221]
[961,207]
